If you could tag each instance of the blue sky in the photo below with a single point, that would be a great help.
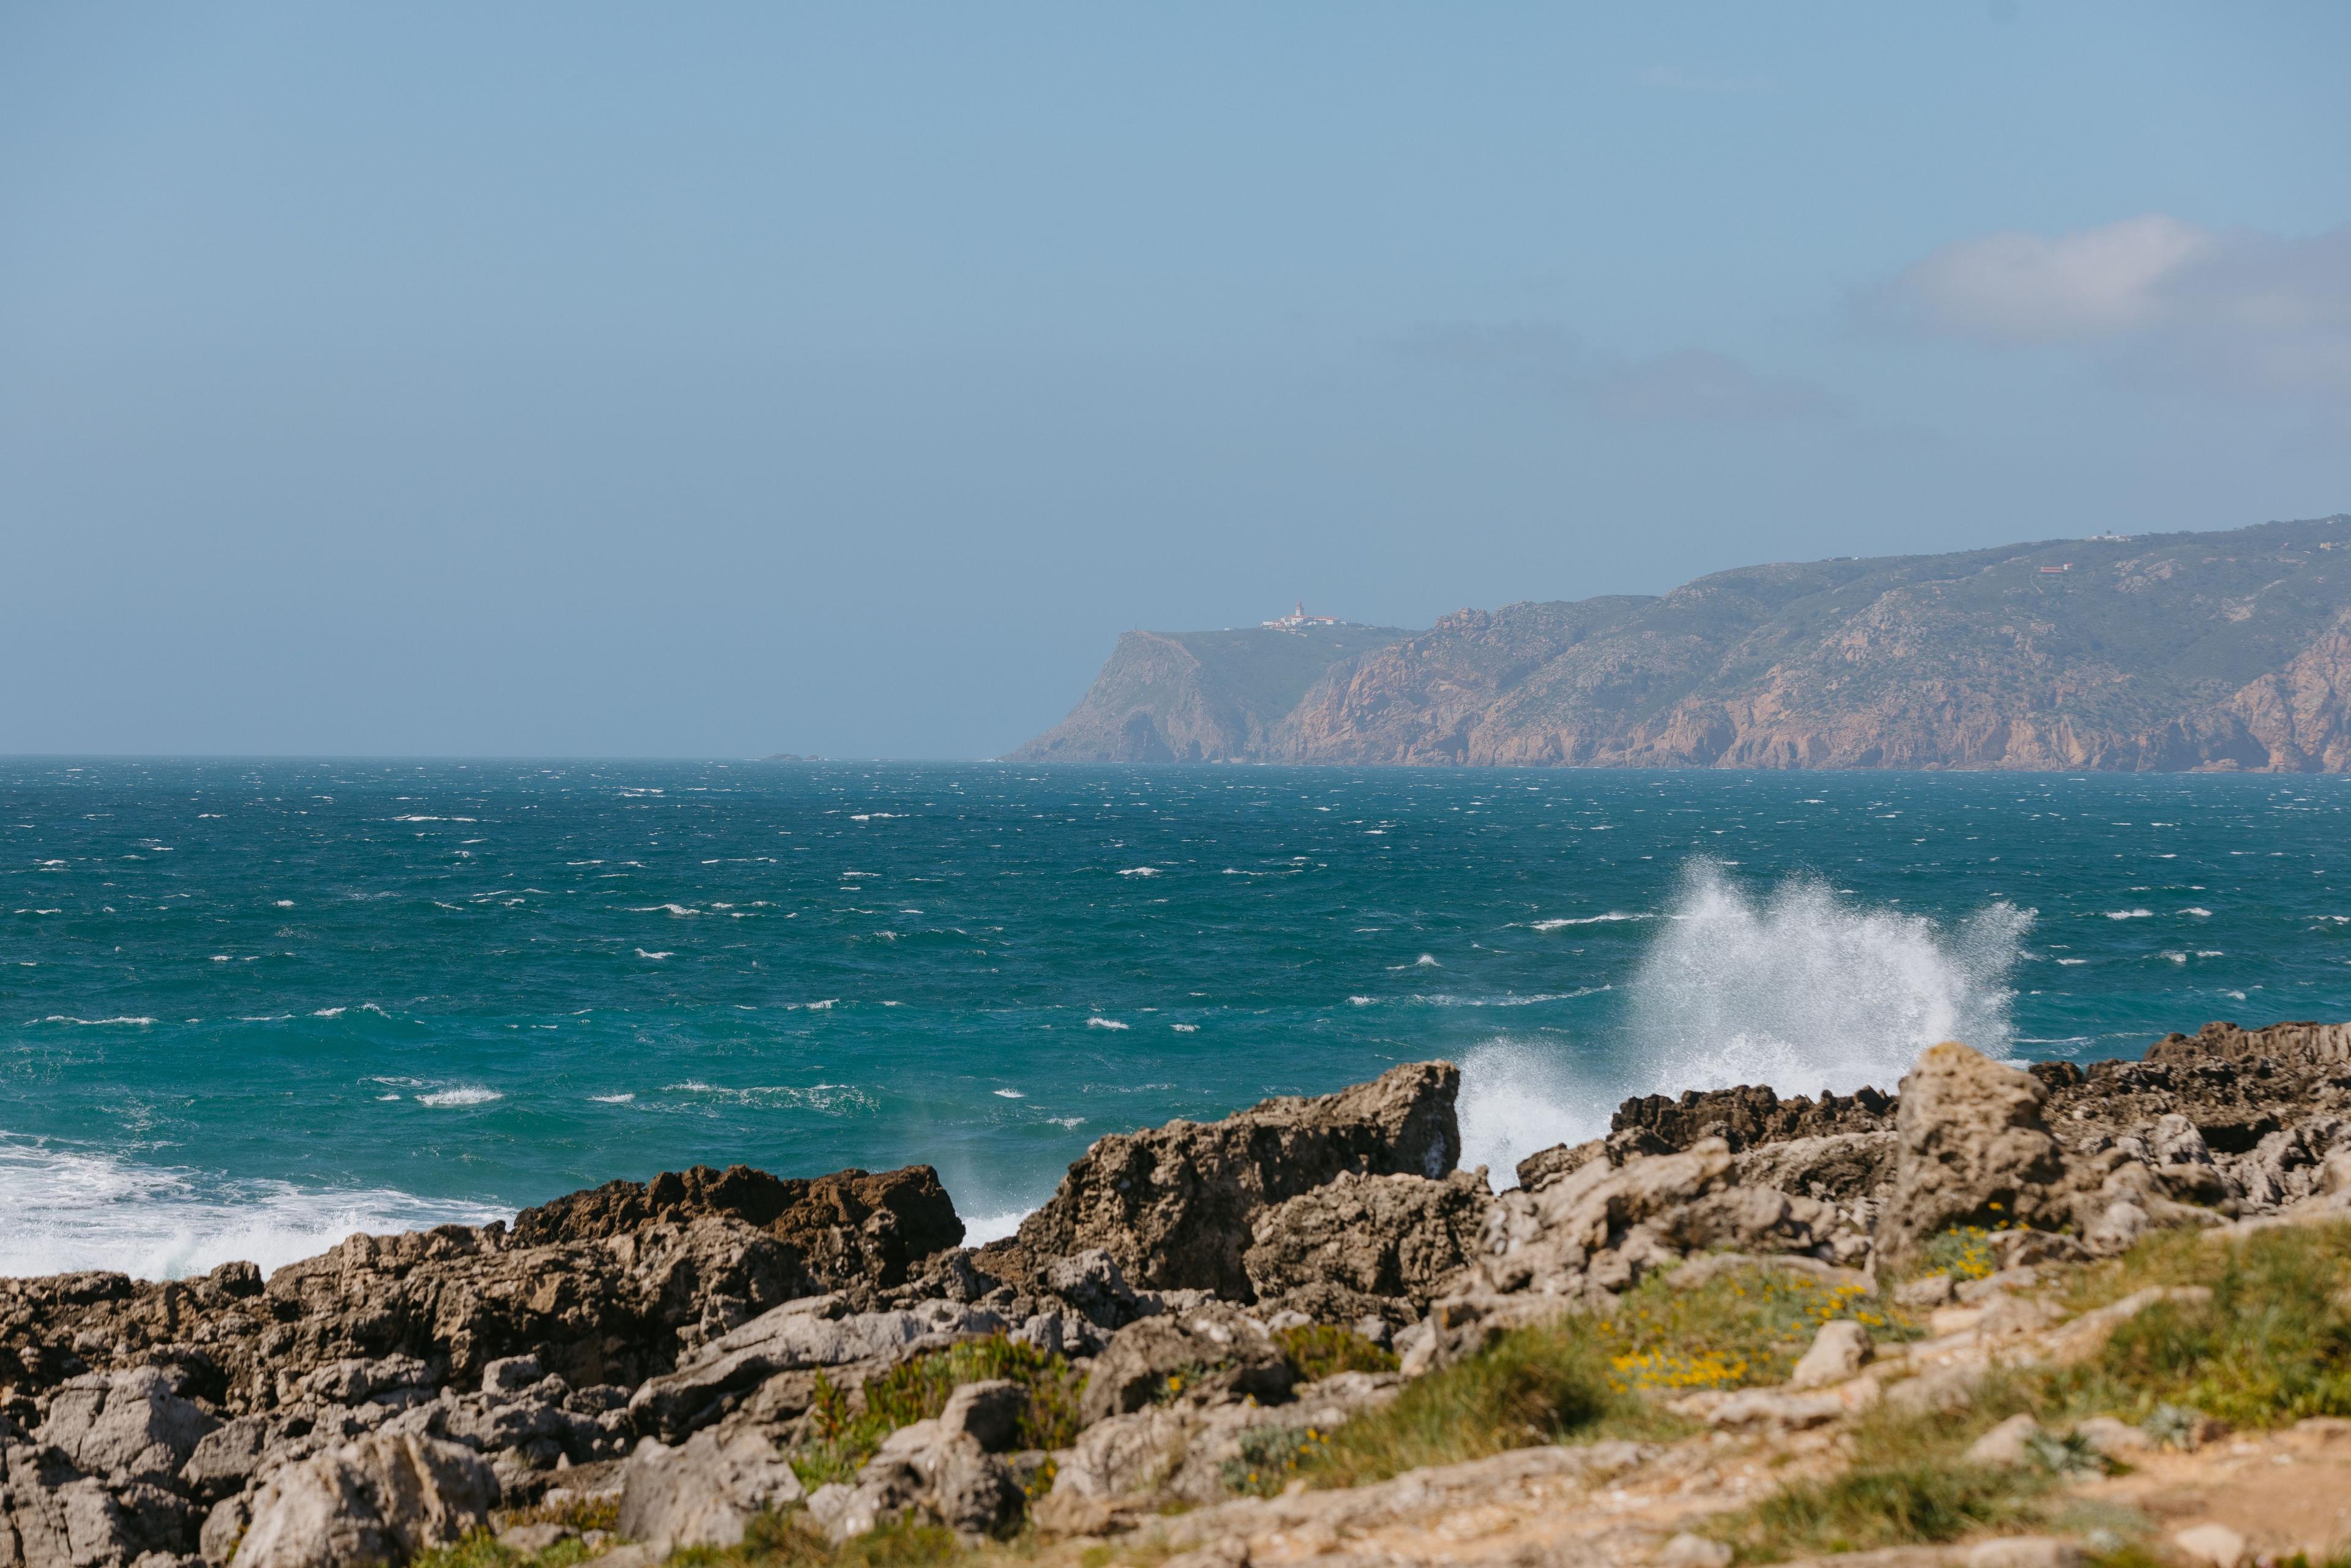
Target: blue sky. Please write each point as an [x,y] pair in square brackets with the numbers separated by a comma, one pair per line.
[724,380]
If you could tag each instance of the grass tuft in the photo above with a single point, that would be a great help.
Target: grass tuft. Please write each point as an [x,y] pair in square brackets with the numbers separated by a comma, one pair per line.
[1885,1505]
[1317,1351]
[2273,1347]
[1539,1385]
[848,1427]
[1745,1327]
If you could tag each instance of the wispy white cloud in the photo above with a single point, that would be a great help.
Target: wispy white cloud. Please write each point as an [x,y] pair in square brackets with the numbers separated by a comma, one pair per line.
[2234,311]
[2026,287]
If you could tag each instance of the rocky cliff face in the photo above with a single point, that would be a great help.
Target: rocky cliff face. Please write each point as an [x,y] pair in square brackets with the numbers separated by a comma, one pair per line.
[1198,696]
[2156,654]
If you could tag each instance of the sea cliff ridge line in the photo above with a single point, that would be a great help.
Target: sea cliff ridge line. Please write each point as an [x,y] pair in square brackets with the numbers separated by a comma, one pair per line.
[2151,653]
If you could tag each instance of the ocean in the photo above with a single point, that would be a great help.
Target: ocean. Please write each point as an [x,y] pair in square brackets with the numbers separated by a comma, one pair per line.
[247,1008]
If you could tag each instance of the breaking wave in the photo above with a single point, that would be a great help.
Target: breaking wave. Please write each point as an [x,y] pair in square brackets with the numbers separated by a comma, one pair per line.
[78,1208]
[1800,990]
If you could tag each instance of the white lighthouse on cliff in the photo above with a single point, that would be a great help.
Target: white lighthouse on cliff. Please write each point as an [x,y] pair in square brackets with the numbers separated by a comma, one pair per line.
[1297,620]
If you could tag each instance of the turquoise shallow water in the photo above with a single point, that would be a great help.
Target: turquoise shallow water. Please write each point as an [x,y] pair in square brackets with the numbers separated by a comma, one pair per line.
[244,1008]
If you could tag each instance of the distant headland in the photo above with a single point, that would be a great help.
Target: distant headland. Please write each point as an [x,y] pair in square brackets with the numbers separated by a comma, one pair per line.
[2151,653]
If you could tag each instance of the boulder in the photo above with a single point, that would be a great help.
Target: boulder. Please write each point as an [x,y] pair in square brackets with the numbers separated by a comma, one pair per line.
[1093,1283]
[1973,1150]
[225,1458]
[1377,1246]
[379,1500]
[130,1423]
[813,1333]
[2008,1444]
[704,1492]
[1184,1453]
[1559,1161]
[1209,1354]
[937,1467]
[1174,1205]
[851,1228]
[988,1412]
[1838,1351]
[55,1517]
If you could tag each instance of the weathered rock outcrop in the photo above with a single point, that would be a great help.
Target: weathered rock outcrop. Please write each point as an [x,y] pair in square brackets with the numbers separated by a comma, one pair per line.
[658,1344]
[1742,1118]
[851,1228]
[1973,1150]
[704,1493]
[1213,1355]
[379,1500]
[1374,1247]
[945,1467]
[1174,1205]
[815,1333]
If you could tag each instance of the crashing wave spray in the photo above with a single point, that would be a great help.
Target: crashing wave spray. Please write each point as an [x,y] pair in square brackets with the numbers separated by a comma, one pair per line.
[76,1209]
[1803,991]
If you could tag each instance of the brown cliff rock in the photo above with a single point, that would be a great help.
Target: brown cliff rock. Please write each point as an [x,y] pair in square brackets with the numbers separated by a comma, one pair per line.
[1174,1206]
[1378,1247]
[848,1228]
[2224,651]
[1742,1117]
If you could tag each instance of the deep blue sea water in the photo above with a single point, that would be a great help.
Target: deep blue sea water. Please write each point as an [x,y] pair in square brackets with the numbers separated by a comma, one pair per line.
[245,1008]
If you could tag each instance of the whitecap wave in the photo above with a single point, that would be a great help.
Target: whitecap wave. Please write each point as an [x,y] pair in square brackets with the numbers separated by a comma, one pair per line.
[73,1208]
[1105,1023]
[463,1094]
[1609,918]
[2130,914]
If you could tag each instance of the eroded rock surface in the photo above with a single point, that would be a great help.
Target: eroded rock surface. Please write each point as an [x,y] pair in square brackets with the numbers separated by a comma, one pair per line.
[664,1345]
[1973,1150]
[1174,1205]
[1377,1247]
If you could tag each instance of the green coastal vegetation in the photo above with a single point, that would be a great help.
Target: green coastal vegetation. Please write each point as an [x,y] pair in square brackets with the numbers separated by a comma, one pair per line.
[2271,1345]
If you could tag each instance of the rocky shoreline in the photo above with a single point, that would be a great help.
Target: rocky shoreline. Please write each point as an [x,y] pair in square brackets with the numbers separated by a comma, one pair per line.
[660,1364]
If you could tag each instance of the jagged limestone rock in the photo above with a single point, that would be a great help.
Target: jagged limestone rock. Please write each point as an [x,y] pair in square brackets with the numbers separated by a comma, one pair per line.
[1213,1352]
[379,1500]
[1175,1205]
[1973,1150]
[1378,1247]
[702,1492]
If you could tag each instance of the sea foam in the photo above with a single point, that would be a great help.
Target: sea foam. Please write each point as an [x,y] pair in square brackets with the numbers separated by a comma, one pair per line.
[1802,990]
[79,1209]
